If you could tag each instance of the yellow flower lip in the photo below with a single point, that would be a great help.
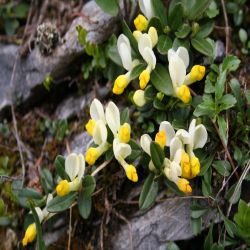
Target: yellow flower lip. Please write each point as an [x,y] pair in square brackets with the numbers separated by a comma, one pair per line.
[90,126]
[195,166]
[124,133]
[120,84]
[91,156]
[141,22]
[161,138]
[131,173]
[30,234]
[184,186]
[197,72]
[63,188]
[184,94]
[144,78]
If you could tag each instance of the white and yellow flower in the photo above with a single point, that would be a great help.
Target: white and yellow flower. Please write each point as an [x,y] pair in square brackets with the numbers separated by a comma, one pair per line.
[30,233]
[124,50]
[178,63]
[172,168]
[121,134]
[74,167]
[139,98]
[195,137]
[96,114]
[146,42]
[141,21]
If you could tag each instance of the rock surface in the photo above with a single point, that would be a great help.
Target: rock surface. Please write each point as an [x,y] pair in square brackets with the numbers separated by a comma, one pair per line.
[166,221]
[31,70]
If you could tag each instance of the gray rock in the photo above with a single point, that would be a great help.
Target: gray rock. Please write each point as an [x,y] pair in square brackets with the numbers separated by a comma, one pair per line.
[31,70]
[166,221]
[79,143]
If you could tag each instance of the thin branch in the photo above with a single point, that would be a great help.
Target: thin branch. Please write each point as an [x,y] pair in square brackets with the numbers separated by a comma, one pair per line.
[102,166]
[70,228]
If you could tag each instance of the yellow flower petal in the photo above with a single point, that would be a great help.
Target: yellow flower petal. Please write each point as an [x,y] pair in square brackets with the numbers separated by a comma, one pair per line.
[184,94]
[195,166]
[144,78]
[30,234]
[141,22]
[197,73]
[161,138]
[91,156]
[63,188]
[185,165]
[124,133]
[131,173]
[90,126]
[184,186]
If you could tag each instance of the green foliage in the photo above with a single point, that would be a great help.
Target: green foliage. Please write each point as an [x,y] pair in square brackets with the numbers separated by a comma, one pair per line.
[149,192]
[109,6]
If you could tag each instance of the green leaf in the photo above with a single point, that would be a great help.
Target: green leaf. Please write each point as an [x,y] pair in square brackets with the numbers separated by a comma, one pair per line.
[21,10]
[183,31]
[233,195]
[220,85]
[209,239]
[161,80]
[164,44]
[136,71]
[109,6]
[196,225]
[207,107]
[156,22]
[230,63]
[229,225]
[159,10]
[202,46]
[10,26]
[206,183]
[175,15]
[222,167]
[40,242]
[235,87]
[112,51]
[223,128]
[59,204]
[172,246]
[47,180]
[206,163]
[88,185]
[60,167]
[205,29]
[84,205]
[124,116]
[213,10]
[195,9]
[149,192]
[247,94]
[30,193]
[226,102]
[157,155]
[136,151]
[197,211]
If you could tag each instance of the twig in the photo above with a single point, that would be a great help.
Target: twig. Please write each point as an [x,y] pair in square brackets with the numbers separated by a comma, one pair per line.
[226,25]
[70,228]
[102,166]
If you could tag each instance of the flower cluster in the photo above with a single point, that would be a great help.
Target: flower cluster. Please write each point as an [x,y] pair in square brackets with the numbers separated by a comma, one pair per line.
[97,127]
[182,163]
[178,60]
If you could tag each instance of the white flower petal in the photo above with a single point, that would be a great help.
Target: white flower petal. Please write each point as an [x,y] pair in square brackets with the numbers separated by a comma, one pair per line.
[175,171]
[124,50]
[171,53]
[113,117]
[200,136]
[144,42]
[149,57]
[182,52]
[121,150]
[184,136]
[169,131]
[100,133]
[177,156]
[175,145]
[177,70]
[81,166]
[96,110]
[145,142]
[49,198]
[72,166]
[146,8]
[39,213]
